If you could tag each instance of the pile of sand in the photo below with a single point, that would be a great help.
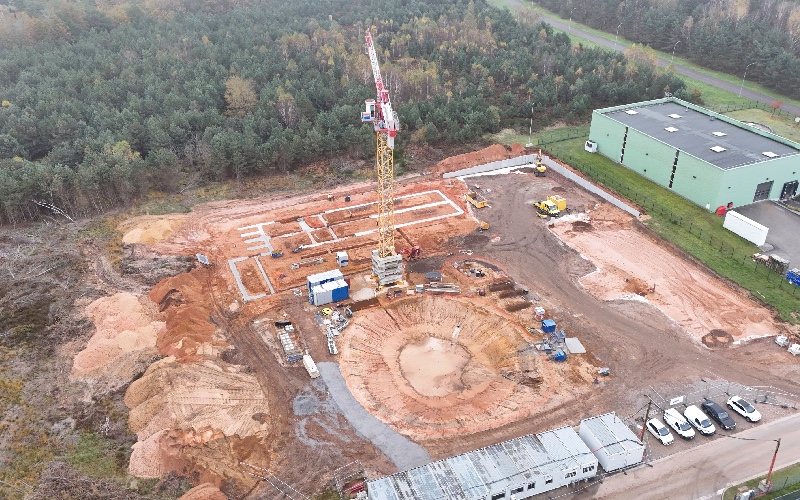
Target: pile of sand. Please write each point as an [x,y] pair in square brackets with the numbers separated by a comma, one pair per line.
[151,228]
[178,405]
[185,303]
[125,326]
[204,491]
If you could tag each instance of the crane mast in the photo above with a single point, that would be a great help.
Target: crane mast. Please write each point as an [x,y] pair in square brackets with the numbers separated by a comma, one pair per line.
[387,266]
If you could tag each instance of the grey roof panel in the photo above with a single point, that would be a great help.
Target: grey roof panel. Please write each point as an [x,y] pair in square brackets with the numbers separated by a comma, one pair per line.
[612,433]
[695,134]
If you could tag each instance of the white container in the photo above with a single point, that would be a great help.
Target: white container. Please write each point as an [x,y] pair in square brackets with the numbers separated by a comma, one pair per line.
[342,259]
[310,366]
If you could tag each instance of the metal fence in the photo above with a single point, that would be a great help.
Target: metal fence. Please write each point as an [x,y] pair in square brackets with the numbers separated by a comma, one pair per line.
[787,482]
[723,389]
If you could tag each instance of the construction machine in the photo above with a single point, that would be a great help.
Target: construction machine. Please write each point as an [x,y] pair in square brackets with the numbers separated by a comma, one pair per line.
[551,207]
[412,253]
[387,266]
[540,170]
[483,226]
[476,199]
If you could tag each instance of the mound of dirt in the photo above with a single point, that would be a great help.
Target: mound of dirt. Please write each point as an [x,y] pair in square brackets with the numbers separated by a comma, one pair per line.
[150,228]
[637,286]
[717,338]
[204,491]
[175,406]
[486,155]
[184,300]
[126,328]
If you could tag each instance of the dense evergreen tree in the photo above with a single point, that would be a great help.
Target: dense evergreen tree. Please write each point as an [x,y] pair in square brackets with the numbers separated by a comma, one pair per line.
[108,102]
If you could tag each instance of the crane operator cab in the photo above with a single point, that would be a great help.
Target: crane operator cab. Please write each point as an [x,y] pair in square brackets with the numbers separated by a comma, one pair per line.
[367,115]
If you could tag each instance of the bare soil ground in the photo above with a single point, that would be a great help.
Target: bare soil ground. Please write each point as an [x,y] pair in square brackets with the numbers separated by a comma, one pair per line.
[222,395]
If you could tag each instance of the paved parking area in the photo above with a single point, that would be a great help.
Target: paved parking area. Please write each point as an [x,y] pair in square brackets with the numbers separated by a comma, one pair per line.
[784,228]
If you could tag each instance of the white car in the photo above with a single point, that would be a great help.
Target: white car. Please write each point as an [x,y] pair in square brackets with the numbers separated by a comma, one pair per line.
[699,420]
[674,419]
[744,409]
[659,431]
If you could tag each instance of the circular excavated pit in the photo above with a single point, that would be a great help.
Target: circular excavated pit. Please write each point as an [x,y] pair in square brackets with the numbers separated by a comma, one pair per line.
[433,367]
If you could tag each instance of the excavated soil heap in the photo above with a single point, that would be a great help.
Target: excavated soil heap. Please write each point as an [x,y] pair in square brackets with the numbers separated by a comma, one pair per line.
[178,410]
[433,367]
[126,329]
[150,228]
[489,154]
[184,299]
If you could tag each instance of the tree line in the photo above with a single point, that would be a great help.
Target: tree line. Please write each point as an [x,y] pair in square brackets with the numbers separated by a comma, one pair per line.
[103,103]
[759,37]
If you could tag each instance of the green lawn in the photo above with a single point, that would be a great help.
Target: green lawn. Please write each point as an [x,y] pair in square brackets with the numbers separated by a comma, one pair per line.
[778,478]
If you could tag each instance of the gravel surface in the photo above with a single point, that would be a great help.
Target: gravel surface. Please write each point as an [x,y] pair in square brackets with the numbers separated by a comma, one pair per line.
[403,452]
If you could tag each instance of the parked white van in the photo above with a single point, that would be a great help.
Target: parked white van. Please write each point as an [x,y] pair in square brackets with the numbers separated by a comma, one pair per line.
[699,420]
[679,424]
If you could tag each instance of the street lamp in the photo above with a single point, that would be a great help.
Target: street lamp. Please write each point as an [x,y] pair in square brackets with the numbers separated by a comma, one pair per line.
[673,52]
[745,76]
[616,36]
[530,130]
[570,17]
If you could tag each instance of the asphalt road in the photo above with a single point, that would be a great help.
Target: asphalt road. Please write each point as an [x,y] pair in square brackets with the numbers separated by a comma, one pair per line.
[680,69]
[784,228]
[704,471]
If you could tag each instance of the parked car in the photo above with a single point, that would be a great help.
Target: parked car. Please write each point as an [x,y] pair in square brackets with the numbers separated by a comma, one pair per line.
[719,414]
[699,420]
[743,408]
[659,431]
[679,424]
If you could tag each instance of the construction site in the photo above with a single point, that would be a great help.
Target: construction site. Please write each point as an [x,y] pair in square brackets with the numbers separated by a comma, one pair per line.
[463,314]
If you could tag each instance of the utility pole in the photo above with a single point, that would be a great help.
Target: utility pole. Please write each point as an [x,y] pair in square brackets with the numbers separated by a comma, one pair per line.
[772,465]
[646,414]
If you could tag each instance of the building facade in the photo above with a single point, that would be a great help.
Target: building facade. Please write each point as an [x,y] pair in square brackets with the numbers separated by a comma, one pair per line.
[708,158]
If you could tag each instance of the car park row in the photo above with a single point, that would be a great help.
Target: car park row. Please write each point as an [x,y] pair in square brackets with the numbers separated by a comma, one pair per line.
[694,419]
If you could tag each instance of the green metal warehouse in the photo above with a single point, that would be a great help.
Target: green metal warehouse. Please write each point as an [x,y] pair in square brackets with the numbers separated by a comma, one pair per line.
[706,157]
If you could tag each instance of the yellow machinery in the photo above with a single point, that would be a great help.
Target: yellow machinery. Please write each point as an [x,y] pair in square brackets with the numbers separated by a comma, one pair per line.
[551,207]
[540,170]
[476,199]
[483,226]
[387,265]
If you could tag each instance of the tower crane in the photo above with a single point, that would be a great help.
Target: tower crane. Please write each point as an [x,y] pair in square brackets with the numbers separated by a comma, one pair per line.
[387,265]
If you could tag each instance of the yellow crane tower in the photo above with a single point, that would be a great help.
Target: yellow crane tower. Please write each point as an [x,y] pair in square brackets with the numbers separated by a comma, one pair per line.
[387,265]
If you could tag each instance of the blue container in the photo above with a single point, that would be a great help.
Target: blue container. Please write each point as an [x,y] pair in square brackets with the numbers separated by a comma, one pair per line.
[548,326]
[794,276]
[560,356]
[340,293]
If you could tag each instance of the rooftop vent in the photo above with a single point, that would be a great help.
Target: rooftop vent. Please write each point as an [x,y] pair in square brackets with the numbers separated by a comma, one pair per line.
[718,149]
[671,129]
[631,111]
[769,154]
[675,115]
[719,134]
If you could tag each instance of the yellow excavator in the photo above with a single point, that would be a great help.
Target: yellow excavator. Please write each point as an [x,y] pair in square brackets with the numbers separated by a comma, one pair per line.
[540,170]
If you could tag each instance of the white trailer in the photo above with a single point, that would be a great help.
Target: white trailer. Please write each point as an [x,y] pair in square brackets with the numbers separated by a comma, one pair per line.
[311,367]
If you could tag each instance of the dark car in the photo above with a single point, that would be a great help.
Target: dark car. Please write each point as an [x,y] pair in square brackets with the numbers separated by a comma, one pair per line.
[716,412]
